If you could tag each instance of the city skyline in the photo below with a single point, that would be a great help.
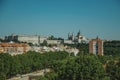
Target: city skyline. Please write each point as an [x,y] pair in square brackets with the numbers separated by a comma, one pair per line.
[51,17]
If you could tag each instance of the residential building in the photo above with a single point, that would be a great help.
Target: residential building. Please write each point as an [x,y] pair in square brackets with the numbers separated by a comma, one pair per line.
[96,46]
[14,48]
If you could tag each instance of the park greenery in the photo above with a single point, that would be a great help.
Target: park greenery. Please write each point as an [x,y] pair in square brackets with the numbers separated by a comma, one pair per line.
[85,67]
[63,66]
[112,47]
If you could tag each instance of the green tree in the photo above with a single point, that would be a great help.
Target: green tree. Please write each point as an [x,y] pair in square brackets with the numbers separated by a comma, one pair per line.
[44,43]
[113,70]
[5,63]
[112,47]
[84,67]
[52,37]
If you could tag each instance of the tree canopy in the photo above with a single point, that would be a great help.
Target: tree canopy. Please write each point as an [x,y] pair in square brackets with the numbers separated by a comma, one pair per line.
[63,66]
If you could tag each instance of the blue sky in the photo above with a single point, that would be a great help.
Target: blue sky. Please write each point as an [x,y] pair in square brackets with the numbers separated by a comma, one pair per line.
[59,17]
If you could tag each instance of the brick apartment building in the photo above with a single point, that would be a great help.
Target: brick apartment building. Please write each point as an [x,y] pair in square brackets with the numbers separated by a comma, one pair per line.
[96,46]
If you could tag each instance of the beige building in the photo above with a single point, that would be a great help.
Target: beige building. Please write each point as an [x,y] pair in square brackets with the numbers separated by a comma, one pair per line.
[14,48]
[68,42]
[54,41]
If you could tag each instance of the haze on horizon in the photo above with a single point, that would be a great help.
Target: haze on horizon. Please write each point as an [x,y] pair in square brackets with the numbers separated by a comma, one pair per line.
[59,17]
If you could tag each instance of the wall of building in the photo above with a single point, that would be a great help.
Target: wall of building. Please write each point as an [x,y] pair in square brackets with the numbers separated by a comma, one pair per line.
[14,48]
[34,39]
[68,42]
[54,41]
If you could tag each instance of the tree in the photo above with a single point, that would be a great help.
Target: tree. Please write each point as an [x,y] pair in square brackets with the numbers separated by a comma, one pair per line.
[5,64]
[31,44]
[44,43]
[113,70]
[112,47]
[52,37]
[84,67]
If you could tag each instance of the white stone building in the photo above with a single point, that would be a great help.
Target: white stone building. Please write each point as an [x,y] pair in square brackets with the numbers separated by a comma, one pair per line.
[34,39]
[54,41]
[78,38]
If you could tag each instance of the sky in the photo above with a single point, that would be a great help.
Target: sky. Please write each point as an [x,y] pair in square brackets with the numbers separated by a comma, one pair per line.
[59,17]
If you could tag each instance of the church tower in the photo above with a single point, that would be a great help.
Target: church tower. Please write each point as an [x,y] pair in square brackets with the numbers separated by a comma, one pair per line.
[70,36]
[79,34]
[79,37]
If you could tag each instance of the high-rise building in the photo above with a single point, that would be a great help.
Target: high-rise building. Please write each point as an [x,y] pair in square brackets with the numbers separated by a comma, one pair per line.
[96,46]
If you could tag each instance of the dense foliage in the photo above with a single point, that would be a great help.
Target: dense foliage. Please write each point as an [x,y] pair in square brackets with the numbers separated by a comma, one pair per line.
[83,47]
[25,63]
[84,67]
[63,66]
[112,47]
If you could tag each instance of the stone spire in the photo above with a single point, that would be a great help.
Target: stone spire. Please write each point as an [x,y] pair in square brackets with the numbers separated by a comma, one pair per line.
[79,33]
